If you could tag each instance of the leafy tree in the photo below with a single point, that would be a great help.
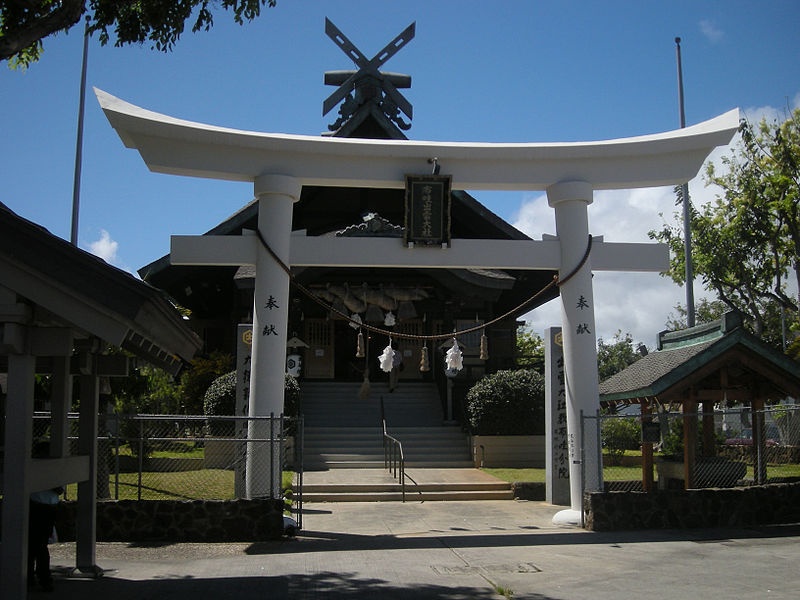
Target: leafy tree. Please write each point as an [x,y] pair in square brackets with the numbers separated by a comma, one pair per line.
[619,434]
[613,357]
[530,349]
[147,390]
[705,311]
[199,377]
[787,419]
[25,23]
[746,243]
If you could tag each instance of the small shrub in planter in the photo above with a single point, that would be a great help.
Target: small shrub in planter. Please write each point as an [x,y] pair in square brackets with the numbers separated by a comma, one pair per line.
[507,403]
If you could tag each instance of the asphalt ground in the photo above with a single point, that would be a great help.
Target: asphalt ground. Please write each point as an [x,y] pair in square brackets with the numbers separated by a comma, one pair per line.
[450,550]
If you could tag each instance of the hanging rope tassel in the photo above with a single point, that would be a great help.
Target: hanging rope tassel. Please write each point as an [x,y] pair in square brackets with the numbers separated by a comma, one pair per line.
[360,345]
[424,363]
[484,347]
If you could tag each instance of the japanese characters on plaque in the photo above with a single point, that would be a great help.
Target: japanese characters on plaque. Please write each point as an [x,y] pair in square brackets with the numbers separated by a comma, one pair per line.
[557,451]
[244,353]
[427,219]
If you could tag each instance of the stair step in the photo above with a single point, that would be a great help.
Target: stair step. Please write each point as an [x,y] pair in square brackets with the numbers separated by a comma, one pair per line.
[411,495]
[343,430]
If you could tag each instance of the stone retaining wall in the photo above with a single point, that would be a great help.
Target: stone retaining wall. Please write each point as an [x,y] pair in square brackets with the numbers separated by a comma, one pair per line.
[179,520]
[686,509]
[528,490]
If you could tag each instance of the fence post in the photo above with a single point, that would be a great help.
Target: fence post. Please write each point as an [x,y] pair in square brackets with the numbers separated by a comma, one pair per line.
[141,459]
[599,453]
[116,458]
[271,455]
[583,466]
[759,442]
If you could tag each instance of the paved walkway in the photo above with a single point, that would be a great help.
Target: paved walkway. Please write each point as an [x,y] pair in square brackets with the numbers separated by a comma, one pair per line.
[453,551]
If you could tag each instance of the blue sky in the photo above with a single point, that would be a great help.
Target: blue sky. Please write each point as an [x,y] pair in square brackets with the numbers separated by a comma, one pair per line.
[506,71]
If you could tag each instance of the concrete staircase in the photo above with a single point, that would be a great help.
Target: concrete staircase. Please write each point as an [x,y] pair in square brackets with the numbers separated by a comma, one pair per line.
[343,446]
[343,430]
[377,485]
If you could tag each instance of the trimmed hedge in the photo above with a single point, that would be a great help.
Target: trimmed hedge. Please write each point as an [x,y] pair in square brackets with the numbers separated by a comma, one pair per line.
[507,403]
[220,397]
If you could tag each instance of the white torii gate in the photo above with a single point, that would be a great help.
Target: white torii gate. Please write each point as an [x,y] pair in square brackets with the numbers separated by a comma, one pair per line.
[279,165]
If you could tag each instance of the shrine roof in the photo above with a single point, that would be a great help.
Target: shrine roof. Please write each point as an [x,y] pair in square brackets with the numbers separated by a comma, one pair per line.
[693,358]
[72,288]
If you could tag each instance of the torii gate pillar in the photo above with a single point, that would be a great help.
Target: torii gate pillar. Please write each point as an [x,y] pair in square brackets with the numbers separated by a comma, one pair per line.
[571,201]
[276,195]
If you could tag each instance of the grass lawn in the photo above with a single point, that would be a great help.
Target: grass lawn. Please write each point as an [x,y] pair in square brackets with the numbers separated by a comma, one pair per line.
[512,475]
[206,484]
[538,475]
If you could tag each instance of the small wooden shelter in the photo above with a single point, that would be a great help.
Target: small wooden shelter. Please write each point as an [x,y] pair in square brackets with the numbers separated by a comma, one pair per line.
[61,309]
[699,368]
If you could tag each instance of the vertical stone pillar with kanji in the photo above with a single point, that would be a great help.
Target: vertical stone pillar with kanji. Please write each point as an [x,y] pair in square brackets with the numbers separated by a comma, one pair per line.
[276,195]
[571,200]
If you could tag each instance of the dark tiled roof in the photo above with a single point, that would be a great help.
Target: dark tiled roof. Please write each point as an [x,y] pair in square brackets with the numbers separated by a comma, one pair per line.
[689,356]
[88,294]
[640,378]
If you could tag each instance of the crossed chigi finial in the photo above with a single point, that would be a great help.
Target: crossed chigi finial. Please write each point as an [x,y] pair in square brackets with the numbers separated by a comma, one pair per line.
[391,100]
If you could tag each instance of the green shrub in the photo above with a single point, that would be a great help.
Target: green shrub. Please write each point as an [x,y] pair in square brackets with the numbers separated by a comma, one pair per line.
[619,434]
[507,403]
[220,397]
[291,397]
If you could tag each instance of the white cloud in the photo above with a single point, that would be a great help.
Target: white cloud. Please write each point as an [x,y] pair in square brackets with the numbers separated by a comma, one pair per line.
[711,31]
[105,247]
[755,114]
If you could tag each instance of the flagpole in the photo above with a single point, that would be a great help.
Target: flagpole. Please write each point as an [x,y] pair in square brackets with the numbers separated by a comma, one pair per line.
[687,227]
[76,182]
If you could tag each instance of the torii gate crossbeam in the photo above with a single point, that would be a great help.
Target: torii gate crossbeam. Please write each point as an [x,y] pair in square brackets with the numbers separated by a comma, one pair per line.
[279,165]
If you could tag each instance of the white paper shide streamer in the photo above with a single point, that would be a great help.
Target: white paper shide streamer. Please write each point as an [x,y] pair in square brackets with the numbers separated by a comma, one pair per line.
[454,359]
[386,359]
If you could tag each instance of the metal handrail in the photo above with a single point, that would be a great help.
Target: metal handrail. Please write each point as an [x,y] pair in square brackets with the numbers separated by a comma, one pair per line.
[393,458]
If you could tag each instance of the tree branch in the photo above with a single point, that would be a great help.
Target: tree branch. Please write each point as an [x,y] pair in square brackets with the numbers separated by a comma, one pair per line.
[67,13]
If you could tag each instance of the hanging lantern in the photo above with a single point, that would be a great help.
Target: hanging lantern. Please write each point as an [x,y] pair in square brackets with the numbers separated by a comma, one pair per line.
[484,347]
[454,359]
[360,345]
[386,359]
[389,320]
[424,363]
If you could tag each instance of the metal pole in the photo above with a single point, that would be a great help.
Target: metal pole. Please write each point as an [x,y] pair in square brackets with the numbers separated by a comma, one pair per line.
[687,228]
[141,459]
[583,466]
[76,181]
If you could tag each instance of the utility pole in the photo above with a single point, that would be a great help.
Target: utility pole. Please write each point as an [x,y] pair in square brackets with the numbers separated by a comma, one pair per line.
[687,227]
[76,181]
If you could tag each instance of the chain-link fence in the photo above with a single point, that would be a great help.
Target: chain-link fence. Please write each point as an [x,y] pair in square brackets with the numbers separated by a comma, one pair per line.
[726,451]
[179,457]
